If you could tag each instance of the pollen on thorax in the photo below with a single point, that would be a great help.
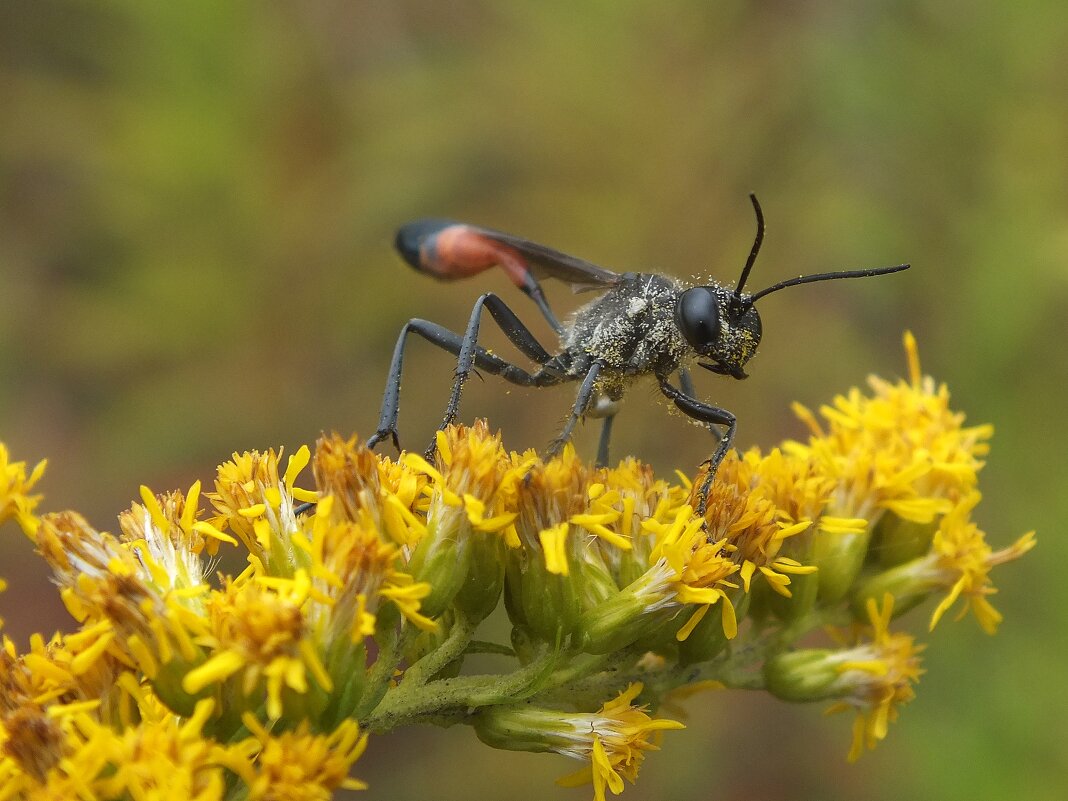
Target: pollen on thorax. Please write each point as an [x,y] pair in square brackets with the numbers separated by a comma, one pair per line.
[636,306]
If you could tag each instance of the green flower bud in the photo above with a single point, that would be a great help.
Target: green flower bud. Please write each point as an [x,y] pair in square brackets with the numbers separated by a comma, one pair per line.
[897,540]
[442,559]
[807,675]
[547,604]
[839,557]
[634,612]
[481,590]
[910,584]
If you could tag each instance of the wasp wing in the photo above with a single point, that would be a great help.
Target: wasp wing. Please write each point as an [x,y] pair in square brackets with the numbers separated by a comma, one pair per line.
[547,262]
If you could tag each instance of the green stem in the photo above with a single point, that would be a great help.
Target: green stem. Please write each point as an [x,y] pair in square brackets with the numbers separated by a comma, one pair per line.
[448,701]
[390,647]
[434,662]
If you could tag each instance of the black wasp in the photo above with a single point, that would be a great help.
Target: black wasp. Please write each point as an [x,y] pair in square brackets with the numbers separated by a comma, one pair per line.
[642,324]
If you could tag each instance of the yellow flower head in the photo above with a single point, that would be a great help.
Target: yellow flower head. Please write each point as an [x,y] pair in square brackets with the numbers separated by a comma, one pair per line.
[15,485]
[473,485]
[365,482]
[961,560]
[876,678]
[621,500]
[258,634]
[100,578]
[298,765]
[257,504]
[614,740]
[551,492]
[168,538]
[747,508]
[901,449]
[353,569]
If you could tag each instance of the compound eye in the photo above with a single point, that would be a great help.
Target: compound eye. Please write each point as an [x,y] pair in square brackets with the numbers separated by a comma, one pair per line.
[697,316]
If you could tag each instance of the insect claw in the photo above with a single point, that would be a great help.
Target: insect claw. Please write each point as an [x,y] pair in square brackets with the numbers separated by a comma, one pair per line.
[381,434]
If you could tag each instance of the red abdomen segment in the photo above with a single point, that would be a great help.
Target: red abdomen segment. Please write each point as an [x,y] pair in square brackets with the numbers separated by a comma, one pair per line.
[451,250]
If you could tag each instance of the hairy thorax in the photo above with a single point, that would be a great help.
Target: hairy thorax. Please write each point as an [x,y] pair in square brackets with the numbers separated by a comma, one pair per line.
[631,329]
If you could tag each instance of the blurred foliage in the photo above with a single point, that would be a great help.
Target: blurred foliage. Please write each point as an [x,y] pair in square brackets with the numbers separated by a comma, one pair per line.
[196,208]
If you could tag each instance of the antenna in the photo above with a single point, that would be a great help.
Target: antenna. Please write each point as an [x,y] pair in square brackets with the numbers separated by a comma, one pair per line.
[809,279]
[754,251]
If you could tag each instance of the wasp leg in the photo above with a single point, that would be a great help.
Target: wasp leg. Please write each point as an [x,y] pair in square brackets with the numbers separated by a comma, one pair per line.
[704,413]
[686,382]
[470,355]
[532,289]
[582,401]
[602,443]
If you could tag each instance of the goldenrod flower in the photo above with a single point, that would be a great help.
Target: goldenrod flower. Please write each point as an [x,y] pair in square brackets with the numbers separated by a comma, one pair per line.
[613,740]
[258,505]
[469,518]
[901,451]
[15,485]
[755,504]
[872,678]
[959,563]
[297,765]
[876,678]
[258,634]
[358,613]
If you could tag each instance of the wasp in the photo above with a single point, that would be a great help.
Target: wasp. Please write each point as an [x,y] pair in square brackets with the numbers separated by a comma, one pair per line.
[641,324]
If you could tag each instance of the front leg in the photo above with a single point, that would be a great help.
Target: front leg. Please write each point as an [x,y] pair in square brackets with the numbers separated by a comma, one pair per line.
[704,413]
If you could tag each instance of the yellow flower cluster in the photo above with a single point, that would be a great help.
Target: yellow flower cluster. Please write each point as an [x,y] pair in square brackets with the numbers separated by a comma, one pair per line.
[359,601]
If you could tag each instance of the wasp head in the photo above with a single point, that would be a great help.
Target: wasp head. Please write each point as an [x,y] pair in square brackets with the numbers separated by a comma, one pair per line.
[720,326]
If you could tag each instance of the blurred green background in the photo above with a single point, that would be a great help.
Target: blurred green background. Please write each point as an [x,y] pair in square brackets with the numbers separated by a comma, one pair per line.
[197,203]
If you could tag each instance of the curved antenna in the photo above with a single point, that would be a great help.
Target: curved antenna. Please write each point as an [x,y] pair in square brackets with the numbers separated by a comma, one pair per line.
[809,279]
[754,251]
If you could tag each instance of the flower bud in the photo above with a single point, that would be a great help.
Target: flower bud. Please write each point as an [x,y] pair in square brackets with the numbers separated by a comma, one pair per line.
[910,584]
[897,540]
[481,590]
[708,637]
[546,603]
[442,560]
[811,674]
[838,557]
